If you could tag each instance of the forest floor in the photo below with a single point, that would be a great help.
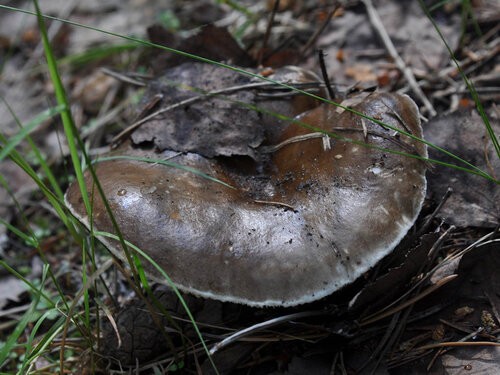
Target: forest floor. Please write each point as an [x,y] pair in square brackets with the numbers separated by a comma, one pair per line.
[432,306]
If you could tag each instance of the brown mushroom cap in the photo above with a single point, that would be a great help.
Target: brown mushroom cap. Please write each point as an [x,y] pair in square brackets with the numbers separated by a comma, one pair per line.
[351,206]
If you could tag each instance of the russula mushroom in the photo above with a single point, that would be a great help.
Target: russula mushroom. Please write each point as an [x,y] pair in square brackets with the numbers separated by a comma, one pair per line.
[301,225]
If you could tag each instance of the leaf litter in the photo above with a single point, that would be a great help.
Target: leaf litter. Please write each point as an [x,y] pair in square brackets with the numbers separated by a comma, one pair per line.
[209,127]
[474,201]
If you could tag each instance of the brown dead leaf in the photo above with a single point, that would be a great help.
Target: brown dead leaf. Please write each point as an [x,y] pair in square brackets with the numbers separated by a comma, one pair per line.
[210,42]
[210,126]
[475,201]
[361,73]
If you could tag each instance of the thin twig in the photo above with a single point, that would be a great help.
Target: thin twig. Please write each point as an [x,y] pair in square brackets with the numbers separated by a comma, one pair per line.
[458,344]
[268,31]
[331,91]
[126,78]
[264,325]
[318,32]
[447,260]
[411,301]
[381,345]
[437,245]
[298,138]
[410,77]
[54,28]
[428,221]
[276,91]
[275,203]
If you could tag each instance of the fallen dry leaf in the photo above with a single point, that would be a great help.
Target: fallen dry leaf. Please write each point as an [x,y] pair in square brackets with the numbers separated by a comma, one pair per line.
[361,73]
[475,201]
[211,126]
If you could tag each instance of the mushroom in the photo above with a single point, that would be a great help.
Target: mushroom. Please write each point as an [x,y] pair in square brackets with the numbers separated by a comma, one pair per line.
[311,218]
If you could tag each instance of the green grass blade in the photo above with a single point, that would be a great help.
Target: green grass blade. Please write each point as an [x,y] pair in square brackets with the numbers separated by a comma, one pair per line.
[172,286]
[167,163]
[38,155]
[47,339]
[28,239]
[71,132]
[468,83]
[96,53]
[31,125]
[27,318]
[51,197]
[32,287]
[60,92]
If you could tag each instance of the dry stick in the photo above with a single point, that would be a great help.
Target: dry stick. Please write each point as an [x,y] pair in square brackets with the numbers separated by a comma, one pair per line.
[54,28]
[297,138]
[431,255]
[428,221]
[379,26]
[411,301]
[122,77]
[280,92]
[342,365]
[275,203]
[300,138]
[446,73]
[331,91]
[449,259]
[381,347]
[399,324]
[455,326]
[443,350]
[446,348]
[334,363]
[404,319]
[318,32]
[398,362]
[264,325]
[268,31]
[417,287]
[469,248]
[458,344]
[492,54]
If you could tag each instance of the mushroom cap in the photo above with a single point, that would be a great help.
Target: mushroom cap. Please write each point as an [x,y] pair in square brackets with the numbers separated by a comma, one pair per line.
[351,206]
